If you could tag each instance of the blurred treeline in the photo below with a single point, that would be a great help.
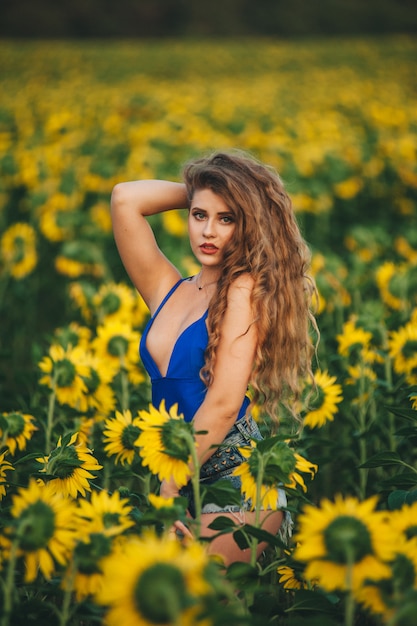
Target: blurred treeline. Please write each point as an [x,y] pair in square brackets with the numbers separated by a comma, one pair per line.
[195,18]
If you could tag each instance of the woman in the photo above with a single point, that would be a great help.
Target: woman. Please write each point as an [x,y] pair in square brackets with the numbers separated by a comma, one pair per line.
[243,319]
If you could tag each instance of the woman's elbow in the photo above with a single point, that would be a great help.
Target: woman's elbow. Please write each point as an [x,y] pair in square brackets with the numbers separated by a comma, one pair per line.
[118,196]
[226,409]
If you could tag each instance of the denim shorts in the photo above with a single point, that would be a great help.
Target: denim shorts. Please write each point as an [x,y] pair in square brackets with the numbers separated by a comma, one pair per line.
[221,465]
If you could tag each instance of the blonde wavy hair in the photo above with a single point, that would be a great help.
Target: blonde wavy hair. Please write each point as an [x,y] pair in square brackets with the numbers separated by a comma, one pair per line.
[267,244]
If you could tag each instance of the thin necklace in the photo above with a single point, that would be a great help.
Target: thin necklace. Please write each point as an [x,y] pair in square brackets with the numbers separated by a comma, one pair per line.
[200,287]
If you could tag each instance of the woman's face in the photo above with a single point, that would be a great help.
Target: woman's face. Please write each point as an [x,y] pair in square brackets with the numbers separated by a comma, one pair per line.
[210,225]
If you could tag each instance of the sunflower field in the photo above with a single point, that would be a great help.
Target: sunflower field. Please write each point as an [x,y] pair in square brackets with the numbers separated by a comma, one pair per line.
[83,536]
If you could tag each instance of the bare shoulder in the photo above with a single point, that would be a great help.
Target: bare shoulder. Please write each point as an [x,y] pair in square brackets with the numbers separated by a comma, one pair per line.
[239,303]
[241,287]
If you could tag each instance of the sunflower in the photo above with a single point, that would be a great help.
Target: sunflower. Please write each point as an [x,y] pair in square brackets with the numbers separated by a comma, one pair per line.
[100,216]
[81,294]
[84,575]
[306,467]
[402,346]
[403,248]
[16,429]
[395,593]
[165,443]
[140,311]
[117,342]
[121,433]
[174,223]
[105,513]
[100,519]
[58,218]
[151,580]
[114,302]
[344,543]
[277,464]
[5,466]
[64,370]
[74,267]
[352,338]
[361,372]
[18,250]
[100,396]
[404,521]
[159,502]
[290,579]
[324,400]
[385,275]
[45,527]
[68,467]
[73,335]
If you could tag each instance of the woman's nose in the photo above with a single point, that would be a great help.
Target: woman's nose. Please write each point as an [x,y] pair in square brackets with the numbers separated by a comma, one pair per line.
[209,228]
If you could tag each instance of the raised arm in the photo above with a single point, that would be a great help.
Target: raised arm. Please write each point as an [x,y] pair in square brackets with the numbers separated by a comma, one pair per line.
[148,268]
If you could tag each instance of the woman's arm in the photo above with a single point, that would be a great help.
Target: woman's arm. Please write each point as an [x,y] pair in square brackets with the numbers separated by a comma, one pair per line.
[232,370]
[131,202]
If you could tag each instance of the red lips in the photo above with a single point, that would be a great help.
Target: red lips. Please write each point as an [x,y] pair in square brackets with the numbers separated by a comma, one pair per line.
[208,248]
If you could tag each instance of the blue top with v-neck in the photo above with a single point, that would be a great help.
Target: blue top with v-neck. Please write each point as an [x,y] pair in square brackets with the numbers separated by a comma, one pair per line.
[182,384]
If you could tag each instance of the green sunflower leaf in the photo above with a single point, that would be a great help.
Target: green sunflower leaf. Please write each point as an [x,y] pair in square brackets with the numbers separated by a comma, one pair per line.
[306,600]
[382,458]
[221,493]
[404,480]
[263,535]
[222,523]
[398,498]
[408,414]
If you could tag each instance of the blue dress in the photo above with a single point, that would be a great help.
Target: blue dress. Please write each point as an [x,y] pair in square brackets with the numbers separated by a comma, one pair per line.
[182,383]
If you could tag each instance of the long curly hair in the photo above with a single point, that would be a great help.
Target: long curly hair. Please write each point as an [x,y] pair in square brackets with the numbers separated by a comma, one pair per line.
[267,244]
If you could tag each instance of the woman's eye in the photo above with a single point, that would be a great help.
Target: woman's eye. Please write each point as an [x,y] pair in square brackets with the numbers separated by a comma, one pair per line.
[227,219]
[198,215]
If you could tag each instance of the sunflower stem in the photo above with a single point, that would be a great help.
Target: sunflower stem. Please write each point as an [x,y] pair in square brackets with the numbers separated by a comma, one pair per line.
[258,504]
[50,416]
[363,475]
[350,600]
[125,386]
[195,481]
[9,585]
[65,613]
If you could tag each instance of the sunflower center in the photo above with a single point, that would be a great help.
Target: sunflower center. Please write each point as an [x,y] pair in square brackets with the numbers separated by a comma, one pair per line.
[92,381]
[15,424]
[65,373]
[88,555]
[37,524]
[161,594]
[411,532]
[175,439]
[118,345]
[410,348]
[19,249]
[111,303]
[316,400]
[129,436]
[111,519]
[347,539]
